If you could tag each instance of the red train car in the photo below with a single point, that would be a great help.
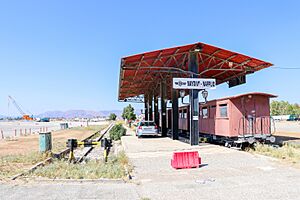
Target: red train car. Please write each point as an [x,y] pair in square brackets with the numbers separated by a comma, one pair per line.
[233,120]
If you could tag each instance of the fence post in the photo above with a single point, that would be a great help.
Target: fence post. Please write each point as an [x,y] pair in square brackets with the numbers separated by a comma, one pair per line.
[20,132]
[15,132]
[25,131]
[2,135]
[30,131]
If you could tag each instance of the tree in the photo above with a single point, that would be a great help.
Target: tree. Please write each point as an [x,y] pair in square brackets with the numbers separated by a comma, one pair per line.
[112,116]
[284,108]
[128,113]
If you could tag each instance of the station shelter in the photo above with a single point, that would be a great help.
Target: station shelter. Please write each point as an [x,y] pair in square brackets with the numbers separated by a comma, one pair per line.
[147,78]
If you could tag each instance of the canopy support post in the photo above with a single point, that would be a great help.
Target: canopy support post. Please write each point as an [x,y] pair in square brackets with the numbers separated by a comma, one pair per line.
[150,104]
[156,113]
[194,101]
[163,109]
[174,114]
[146,106]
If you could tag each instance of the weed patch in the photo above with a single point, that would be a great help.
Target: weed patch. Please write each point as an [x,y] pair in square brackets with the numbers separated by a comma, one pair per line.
[288,152]
[13,164]
[114,168]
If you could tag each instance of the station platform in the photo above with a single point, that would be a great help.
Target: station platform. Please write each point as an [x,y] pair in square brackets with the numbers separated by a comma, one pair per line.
[222,170]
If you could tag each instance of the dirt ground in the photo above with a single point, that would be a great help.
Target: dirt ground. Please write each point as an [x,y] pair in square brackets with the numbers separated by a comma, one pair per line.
[287,132]
[27,144]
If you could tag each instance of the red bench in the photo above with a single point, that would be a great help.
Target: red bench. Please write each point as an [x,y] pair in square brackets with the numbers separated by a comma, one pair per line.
[185,160]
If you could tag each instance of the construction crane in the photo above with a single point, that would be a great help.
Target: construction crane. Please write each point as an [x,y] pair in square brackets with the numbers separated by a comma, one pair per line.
[24,115]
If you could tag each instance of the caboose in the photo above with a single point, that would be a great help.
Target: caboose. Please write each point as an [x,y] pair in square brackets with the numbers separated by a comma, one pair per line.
[232,120]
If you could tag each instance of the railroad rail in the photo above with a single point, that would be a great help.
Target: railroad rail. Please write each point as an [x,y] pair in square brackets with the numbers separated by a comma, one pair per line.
[61,154]
[89,149]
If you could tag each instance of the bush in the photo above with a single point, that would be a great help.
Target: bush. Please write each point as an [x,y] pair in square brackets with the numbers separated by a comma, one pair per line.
[112,116]
[117,132]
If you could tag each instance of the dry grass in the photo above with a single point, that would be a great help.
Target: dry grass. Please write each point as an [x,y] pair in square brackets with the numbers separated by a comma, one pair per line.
[59,145]
[288,152]
[90,128]
[11,165]
[114,168]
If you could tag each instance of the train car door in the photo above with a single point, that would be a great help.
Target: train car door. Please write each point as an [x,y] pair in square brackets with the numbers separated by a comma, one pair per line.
[249,115]
[212,119]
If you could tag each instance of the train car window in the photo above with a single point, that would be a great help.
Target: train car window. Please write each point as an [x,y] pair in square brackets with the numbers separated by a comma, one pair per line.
[180,114]
[213,106]
[204,112]
[223,110]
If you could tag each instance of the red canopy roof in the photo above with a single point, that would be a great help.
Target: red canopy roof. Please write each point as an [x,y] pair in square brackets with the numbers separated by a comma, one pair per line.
[143,72]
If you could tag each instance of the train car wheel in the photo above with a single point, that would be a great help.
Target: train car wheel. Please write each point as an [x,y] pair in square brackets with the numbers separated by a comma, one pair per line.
[228,144]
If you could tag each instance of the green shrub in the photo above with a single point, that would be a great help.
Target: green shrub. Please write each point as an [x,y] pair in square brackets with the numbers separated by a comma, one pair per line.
[112,116]
[117,132]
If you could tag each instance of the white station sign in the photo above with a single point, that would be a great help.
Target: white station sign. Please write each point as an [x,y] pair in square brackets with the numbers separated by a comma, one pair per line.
[194,83]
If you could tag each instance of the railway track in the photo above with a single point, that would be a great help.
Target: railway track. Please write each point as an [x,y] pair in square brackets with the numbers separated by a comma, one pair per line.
[81,154]
[66,151]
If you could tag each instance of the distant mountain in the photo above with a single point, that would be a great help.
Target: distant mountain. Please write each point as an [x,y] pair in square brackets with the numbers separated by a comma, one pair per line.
[78,113]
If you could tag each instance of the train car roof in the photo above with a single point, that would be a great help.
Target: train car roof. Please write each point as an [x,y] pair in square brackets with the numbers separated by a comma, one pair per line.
[240,95]
[247,94]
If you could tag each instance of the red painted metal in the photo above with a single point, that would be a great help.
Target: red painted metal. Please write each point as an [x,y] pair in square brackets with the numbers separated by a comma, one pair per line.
[142,72]
[183,160]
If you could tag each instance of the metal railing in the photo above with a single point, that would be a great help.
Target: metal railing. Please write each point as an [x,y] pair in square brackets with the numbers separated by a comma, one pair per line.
[256,125]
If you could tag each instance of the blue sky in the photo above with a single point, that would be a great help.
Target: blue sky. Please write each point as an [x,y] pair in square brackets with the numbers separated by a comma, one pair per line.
[60,55]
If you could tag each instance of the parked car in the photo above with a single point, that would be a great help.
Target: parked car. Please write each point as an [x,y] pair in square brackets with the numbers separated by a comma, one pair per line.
[146,128]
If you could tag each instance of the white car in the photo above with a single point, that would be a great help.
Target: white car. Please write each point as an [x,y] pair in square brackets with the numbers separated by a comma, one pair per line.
[146,128]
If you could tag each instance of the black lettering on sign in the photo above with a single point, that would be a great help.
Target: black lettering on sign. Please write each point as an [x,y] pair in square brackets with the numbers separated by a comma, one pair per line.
[200,83]
[209,83]
[194,83]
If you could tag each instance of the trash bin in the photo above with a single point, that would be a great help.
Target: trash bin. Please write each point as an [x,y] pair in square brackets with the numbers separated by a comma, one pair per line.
[45,142]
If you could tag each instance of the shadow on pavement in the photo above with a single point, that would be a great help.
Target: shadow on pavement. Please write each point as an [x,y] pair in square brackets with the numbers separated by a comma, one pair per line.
[280,140]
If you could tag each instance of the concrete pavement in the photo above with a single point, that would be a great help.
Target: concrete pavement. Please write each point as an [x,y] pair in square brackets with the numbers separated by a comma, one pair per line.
[226,174]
